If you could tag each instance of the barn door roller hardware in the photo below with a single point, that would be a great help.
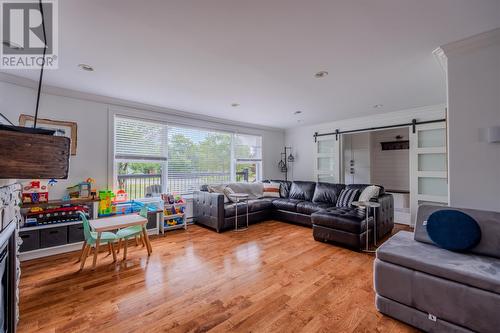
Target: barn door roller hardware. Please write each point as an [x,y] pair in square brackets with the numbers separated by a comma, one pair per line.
[413,124]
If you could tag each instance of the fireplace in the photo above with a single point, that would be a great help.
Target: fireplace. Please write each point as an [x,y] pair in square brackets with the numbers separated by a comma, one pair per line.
[9,262]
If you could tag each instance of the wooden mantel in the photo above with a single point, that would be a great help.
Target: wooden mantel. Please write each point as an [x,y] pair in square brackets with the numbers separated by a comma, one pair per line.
[33,156]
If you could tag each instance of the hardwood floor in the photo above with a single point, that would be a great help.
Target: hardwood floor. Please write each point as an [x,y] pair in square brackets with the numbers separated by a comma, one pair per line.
[271,278]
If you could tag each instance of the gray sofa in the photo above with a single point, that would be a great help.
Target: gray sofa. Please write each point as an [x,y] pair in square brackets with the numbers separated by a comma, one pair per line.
[437,290]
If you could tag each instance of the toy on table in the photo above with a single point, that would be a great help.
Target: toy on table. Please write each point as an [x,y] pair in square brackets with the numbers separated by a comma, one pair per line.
[121,196]
[106,206]
[35,191]
[80,190]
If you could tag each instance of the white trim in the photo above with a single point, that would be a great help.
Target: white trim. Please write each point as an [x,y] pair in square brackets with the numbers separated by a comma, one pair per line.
[472,43]
[50,251]
[121,103]
[442,59]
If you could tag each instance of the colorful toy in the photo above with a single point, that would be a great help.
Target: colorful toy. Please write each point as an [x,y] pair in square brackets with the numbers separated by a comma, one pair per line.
[35,191]
[80,190]
[106,206]
[120,196]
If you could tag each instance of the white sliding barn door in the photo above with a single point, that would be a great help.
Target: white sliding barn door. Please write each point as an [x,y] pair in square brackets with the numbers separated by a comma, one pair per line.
[327,159]
[428,166]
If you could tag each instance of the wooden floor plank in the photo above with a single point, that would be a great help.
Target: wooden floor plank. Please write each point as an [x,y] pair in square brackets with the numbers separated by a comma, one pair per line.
[271,278]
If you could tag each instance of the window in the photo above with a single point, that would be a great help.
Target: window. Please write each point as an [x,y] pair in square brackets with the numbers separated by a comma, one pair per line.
[197,157]
[248,155]
[140,156]
[152,158]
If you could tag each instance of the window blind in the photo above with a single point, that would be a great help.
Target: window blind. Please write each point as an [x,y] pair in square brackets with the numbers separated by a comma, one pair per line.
[197,157]
[247,147]
[140,140]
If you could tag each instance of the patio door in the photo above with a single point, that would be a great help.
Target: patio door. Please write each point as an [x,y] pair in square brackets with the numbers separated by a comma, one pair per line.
[428,166]
[327,159]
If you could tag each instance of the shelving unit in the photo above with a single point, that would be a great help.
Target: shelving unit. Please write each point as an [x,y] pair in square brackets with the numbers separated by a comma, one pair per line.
[55,238]
[165,227]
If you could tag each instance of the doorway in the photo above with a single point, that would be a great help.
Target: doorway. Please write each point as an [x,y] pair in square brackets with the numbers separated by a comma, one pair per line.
[381,157]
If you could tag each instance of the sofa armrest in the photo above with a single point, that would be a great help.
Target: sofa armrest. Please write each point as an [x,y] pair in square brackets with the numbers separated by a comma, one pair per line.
[385,214]
[208,209]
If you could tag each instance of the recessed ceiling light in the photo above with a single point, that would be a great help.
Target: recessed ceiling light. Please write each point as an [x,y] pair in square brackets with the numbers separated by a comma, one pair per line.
[86,67]
[12,45]
[320,74]
[234,105]
[378,106]
[297,112]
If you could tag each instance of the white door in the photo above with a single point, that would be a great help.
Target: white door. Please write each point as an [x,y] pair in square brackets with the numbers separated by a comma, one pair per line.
[428,167]
[327,159]
[357,157]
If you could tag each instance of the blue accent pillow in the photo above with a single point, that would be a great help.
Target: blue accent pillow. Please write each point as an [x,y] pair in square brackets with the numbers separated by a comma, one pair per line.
[453,230]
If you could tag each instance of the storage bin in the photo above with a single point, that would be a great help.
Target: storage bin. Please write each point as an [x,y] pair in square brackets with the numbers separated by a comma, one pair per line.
[31,240]
[53,236]
[75,233]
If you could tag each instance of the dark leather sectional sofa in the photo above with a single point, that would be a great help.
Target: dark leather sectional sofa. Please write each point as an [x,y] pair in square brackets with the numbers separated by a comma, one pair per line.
[301,202]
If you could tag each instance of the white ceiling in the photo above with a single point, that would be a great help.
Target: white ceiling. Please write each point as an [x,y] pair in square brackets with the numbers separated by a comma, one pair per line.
[201,56]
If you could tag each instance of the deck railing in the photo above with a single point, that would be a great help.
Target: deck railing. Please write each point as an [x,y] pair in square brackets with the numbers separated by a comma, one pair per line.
[143,185]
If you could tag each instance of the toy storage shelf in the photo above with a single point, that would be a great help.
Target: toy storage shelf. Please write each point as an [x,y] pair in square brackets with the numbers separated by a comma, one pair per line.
[58,203]
[48,226]
[164,227]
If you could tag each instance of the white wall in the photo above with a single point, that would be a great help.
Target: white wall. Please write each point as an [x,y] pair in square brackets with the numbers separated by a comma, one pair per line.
[390,168]
[474,104]
[302,141]
[92,159]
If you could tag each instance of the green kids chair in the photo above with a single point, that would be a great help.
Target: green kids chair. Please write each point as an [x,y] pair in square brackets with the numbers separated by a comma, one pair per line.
[131,232]
[90,240]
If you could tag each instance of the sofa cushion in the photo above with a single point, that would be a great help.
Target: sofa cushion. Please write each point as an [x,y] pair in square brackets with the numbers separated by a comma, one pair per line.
[474,270]
[286,204]
[302,190]
[346,197]
[342,218]
[327,193]
[307,207]
[254,190]
[489,222]
[453,230]
[271,190]
[255,205]
[284,186]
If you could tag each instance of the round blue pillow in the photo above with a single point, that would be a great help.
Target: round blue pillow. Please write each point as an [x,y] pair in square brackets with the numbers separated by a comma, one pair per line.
[453,230]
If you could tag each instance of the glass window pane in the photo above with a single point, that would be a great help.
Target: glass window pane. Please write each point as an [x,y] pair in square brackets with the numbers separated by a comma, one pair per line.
[197,157]
[247,146]
[432,186]
[247,172]
[326,179]
[432,138]
[326,146]
[431,162]
[325,163]
[139,179]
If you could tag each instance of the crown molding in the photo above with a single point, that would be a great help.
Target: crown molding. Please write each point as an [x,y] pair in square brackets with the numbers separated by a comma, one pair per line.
[111,101]
[471,43]
[441,58]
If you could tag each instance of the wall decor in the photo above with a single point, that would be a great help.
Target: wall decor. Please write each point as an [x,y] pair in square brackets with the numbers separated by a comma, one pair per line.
[63,128]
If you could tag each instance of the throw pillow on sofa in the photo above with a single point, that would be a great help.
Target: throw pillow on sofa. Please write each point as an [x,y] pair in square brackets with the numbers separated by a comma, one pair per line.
[453,230]
[346,197]
[369,193]
[218,189]
[271,190]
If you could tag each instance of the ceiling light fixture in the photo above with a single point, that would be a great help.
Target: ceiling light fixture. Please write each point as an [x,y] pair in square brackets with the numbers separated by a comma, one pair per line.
[320,74]
[234,105]
[378,106]
[12,45]
[86,67]
[297,112]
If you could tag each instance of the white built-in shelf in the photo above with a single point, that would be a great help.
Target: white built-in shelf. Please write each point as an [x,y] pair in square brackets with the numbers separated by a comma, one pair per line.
[47,226]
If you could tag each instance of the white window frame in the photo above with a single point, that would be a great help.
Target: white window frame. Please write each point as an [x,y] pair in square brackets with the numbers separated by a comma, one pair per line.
[171,120]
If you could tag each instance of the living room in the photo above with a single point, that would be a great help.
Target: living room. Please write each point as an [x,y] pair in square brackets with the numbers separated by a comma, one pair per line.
[232,166]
